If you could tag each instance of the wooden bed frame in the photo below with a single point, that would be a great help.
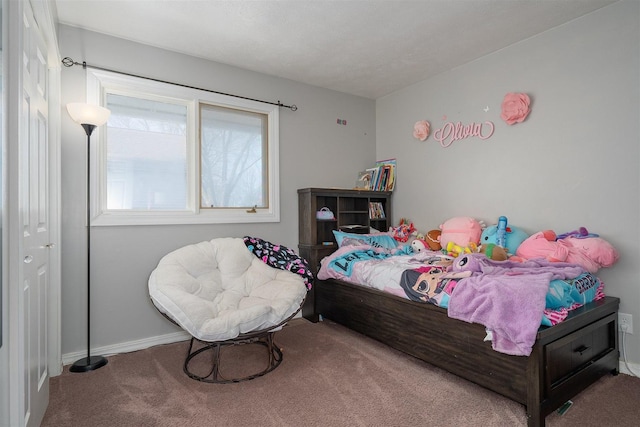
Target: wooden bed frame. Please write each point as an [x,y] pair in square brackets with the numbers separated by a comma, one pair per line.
[566,358]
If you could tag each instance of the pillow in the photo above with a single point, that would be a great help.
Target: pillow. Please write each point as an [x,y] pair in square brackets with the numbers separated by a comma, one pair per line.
[280,256]
[377,240]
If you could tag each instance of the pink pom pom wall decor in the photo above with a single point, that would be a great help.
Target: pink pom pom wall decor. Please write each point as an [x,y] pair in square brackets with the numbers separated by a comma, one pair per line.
[515,107]
[421,130]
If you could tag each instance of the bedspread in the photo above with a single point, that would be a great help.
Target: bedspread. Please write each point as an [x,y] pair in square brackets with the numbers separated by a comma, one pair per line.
[509,301]
[376,268]
[512,300]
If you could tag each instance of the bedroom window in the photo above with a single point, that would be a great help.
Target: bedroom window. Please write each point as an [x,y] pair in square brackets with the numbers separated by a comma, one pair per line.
[233,158]
[146,155]
[175,155]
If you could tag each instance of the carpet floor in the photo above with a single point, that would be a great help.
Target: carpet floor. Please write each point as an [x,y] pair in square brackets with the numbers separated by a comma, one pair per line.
[330,376]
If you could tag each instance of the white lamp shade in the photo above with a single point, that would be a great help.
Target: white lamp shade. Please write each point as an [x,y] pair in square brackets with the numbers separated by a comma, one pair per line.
[88,114]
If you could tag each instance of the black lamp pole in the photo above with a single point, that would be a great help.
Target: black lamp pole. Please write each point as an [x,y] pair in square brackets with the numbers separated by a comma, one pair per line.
[88,363]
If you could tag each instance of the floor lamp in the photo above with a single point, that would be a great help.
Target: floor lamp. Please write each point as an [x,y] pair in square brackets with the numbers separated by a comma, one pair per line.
[89,117]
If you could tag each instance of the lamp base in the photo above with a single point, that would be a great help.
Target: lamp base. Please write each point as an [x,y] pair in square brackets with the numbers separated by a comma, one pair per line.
[87,364]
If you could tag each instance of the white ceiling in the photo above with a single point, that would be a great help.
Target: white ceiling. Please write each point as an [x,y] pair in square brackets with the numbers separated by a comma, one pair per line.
[366,48]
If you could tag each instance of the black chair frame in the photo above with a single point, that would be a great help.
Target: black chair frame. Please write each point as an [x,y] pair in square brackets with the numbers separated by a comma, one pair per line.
[264,337]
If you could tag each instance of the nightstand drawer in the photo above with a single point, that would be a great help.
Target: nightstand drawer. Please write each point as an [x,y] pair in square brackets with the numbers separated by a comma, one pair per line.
[578,350]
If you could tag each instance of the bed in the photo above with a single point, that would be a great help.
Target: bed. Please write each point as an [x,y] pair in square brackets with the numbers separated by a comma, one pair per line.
[560,361]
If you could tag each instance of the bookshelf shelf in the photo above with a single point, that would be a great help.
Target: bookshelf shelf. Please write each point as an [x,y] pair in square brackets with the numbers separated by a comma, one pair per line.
[353,214]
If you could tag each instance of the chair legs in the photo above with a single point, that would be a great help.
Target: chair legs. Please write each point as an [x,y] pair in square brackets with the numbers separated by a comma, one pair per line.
[213,376]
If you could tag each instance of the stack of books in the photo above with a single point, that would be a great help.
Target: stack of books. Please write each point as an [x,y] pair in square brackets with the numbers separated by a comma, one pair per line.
[381,177]
[376,210]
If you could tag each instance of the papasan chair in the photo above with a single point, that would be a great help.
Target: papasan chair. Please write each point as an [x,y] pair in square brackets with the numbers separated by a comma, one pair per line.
[227,292]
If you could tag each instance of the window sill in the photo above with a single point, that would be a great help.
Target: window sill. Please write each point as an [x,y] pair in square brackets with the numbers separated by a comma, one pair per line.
[178,218]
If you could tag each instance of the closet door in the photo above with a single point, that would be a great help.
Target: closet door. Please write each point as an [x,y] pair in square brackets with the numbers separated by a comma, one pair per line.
[28,214]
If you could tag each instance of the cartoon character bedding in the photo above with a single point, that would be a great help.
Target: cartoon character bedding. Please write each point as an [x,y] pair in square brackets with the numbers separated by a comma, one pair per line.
[511,299]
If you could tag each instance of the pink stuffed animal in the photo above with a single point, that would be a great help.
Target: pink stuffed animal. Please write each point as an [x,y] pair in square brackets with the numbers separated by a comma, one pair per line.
[596,249]
[591,253]
[460,230]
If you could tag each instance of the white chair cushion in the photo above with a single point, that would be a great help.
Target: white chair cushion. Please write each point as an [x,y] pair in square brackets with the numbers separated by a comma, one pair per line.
[217,290]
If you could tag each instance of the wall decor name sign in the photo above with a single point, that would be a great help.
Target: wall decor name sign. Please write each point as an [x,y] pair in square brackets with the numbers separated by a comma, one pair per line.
[451,132]
[515,109]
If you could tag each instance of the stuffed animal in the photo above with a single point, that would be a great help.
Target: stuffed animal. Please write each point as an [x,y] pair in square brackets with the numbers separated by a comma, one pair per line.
[469,262]
[419,245]
[402,232]
[493,252]
[461,231]
[455,250]
[433,240]
[514,237]
[477,263]
[580,233]
[591,253]
[596,248]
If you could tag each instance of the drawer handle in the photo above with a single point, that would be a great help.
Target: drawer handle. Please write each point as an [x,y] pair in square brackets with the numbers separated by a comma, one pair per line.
[581,349]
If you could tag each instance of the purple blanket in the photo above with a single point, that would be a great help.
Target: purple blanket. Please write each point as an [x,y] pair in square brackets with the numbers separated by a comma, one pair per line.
[509,301]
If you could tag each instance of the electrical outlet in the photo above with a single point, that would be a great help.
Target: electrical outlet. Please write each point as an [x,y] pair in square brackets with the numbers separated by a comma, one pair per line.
[625,319]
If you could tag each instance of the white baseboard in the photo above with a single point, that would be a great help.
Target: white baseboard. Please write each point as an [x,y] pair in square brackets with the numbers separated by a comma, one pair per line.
[127,347]
[624,369]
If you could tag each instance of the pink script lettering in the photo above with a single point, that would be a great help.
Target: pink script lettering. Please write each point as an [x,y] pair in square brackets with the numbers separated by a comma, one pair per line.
[451,132]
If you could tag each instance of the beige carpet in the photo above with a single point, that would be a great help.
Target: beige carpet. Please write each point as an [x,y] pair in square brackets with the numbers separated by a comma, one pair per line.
[330,376]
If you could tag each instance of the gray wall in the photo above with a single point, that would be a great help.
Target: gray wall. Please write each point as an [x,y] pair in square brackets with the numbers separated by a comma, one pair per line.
[574,161]
[314,151]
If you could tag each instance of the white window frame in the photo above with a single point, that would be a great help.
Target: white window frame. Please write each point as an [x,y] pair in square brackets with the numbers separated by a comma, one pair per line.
[99,83]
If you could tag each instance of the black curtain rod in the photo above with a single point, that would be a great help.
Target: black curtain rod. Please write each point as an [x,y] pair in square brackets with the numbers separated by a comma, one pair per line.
[68,62]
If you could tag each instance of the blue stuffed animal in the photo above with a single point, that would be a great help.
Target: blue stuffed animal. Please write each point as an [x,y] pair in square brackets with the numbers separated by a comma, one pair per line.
[514,237]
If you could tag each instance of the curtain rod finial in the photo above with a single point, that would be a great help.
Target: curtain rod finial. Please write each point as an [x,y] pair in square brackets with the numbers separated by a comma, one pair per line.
[68,62]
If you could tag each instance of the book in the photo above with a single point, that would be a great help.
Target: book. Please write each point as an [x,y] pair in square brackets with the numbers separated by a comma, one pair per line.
[376,210]
[374,178]
[381,177]
[388,168]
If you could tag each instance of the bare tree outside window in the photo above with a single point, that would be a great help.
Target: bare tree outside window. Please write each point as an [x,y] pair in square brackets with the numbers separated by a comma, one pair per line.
[233,147]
